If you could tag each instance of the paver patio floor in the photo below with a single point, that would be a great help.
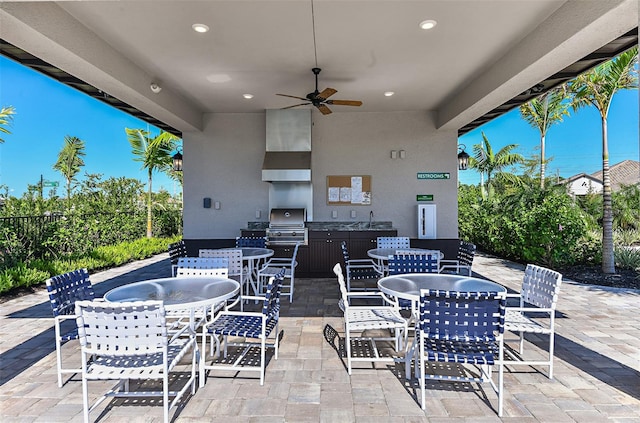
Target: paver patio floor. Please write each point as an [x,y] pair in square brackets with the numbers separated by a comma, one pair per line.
[596,373]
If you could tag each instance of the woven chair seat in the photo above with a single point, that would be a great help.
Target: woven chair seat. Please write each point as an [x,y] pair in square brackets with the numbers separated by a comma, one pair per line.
[377,318]
[443,350]
[245,326]
[137,366]
[516,321]
[356,273]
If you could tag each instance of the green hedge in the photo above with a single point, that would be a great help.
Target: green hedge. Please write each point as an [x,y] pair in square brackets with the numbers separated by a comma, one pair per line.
[35,272]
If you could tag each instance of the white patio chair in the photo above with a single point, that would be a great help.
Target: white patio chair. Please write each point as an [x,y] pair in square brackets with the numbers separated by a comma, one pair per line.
[274,265]
[465,328]
[393,242]
[64,290]
[234,260]
[360,269]
[176,250]
[360,319]
[245,325]
[129,341]
[535,314]
[463,261]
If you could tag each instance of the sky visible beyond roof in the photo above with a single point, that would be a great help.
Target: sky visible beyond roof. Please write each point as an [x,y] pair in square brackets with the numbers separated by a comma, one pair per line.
[47,111]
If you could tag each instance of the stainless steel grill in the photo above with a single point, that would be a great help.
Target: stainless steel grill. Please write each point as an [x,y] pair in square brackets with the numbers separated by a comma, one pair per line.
[286,227]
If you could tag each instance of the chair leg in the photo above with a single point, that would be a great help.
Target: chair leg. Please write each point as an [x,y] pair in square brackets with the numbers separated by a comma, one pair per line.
[165,396]
[551,342]
[262,356]
[58,353]
[423,402]
[347,347]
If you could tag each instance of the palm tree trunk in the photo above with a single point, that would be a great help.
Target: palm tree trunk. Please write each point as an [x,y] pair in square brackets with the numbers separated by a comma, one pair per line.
[608,262]
[542,164]
[149,232]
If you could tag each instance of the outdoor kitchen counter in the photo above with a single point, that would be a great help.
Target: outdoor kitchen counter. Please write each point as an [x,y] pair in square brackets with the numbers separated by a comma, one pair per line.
[333,226]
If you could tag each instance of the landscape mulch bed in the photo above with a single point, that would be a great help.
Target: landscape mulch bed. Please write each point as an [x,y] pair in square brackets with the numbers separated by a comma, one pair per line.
[593,275]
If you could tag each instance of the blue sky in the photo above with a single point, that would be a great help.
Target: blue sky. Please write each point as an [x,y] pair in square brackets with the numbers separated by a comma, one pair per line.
[574,144]
[47,111]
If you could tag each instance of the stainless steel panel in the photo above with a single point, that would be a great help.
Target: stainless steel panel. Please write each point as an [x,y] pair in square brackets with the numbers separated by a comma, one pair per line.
[288,130]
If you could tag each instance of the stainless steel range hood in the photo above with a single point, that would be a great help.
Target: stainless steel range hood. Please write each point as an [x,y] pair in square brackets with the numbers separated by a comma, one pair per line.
[288,147]
[286,166]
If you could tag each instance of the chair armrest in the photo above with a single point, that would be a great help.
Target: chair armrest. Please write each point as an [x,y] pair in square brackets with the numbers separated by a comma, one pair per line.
[531,309]
[252,297]
[513,295]
[449,262]
[360,294]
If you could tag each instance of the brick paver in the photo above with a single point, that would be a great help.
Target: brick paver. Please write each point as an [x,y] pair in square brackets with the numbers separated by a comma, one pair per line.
[596,375]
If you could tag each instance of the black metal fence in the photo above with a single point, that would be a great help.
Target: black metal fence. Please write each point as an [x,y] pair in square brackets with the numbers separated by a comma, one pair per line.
[28,237]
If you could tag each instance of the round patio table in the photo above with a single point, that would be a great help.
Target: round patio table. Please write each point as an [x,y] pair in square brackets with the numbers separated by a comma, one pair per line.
[407,286]
[254,256]
[179,294]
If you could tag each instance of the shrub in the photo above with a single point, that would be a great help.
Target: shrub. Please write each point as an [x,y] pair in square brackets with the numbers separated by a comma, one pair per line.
[627,258]
[21,276]
[37,271]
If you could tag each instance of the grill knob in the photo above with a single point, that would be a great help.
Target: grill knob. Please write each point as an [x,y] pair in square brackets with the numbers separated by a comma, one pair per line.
[279,233]
[293,234]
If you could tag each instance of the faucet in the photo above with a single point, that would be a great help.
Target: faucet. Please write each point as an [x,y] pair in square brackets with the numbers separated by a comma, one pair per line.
[370,218]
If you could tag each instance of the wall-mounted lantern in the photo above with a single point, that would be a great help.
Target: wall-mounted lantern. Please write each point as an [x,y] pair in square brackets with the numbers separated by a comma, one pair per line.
[177,161]
[463,157]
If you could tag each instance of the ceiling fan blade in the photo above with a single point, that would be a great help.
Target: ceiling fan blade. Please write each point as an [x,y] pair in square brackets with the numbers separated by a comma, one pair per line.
[293,96]
[326,93]
[323,109]
[295,105]
[345,102]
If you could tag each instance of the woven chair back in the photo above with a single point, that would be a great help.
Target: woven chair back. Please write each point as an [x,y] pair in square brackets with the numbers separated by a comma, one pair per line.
[414,263]
[122,329]
[541,286]
[393,242]
[251,241]
[65,289]
[464,316]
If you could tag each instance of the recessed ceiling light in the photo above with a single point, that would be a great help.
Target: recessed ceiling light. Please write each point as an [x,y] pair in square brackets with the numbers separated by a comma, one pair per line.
[218,78]
[428,24]
[389,93]
[247,96]
[200,28]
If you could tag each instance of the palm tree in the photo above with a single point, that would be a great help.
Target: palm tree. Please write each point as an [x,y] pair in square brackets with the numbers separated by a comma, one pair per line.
[155,154]
[69,162]
[485,161]
[6,116]
[597,88]
[543,112]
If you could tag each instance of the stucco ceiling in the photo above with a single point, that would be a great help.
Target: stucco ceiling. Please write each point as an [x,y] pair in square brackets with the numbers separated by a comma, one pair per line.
[264,47]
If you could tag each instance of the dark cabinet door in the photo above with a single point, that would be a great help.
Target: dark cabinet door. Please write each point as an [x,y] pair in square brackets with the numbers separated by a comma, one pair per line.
[325,251]
[302,258]
[362,241]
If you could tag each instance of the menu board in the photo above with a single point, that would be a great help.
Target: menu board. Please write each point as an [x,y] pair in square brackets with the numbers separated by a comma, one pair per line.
[349,190]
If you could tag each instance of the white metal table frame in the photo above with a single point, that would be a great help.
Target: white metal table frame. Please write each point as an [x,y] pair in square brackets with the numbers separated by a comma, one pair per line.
[407,286]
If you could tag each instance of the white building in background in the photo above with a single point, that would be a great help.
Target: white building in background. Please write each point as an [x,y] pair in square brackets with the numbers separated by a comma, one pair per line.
[624,173]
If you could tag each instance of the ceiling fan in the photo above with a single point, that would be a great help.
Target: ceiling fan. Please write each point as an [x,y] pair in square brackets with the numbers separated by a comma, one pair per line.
[321,99]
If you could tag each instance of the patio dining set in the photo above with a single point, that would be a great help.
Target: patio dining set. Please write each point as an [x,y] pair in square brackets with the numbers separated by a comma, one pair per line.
[420,310]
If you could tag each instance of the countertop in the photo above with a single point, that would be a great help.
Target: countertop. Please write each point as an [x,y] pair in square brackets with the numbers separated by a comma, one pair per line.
[334,226]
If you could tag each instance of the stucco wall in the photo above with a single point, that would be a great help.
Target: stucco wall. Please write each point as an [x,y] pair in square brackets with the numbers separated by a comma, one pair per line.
[224,163]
